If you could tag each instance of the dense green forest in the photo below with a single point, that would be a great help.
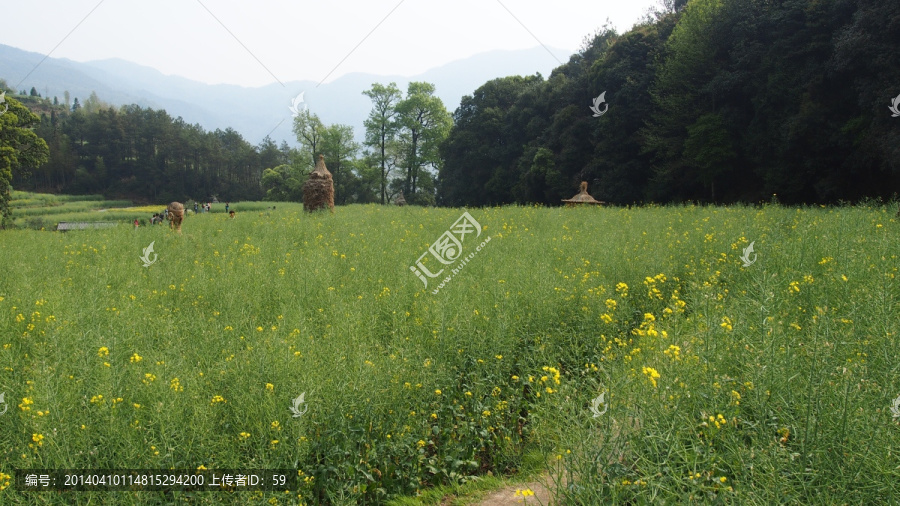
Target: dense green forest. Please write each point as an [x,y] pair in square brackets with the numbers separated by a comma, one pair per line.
[719,100]
[145,154]
[141,153]
[706,100]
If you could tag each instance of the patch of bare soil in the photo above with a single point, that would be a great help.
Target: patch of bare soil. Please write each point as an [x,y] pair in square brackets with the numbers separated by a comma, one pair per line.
[507,495]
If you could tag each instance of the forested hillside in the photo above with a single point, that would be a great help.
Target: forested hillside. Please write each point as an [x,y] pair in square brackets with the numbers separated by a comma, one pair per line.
[719,100]
[142,154]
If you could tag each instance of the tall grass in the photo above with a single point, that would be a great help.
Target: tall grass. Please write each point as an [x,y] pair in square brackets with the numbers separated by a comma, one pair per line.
[195,360]
[70,207]
[44,211]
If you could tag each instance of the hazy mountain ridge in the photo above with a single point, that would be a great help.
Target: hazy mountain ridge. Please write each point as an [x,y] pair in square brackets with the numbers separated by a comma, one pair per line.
[259,111]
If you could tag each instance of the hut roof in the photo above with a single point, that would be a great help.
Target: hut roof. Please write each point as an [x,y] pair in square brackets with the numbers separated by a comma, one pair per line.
[583,197]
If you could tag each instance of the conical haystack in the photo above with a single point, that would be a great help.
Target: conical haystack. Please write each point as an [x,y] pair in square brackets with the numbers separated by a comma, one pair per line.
[318,190]
[583,197]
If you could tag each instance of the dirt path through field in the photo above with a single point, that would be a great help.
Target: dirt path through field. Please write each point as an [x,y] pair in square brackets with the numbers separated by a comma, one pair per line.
[507,496]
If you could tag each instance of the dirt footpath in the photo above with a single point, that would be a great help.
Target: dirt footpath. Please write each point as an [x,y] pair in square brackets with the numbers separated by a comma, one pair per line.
[507,496]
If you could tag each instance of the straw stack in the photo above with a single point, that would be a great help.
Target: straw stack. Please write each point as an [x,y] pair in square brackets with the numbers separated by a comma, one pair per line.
[176,215]
[318,190]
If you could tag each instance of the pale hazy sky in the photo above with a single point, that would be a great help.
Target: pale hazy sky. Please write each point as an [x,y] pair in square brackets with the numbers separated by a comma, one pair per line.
[258,42]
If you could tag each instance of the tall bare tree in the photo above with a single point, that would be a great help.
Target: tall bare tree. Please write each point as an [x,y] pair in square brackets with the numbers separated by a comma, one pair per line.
[381,126]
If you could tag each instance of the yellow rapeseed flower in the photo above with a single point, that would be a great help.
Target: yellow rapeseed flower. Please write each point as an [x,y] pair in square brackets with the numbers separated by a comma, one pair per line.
[26,401]
[652,374]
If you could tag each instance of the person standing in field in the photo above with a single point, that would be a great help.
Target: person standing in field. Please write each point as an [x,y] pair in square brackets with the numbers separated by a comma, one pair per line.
[226,206]
[136,225]
[195,208]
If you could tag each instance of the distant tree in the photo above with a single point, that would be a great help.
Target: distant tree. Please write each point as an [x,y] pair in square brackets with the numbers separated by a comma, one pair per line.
[55,101]
[93,104]
[283,184]
[424,124]
[481,151]
[34,92]
[381,128]
[709,147]
[682,97]
[673,6]
[543,183]
[339,149]
[76,105]
[21,150]
[66,97]
[269,154]
[309,129]
[366,185]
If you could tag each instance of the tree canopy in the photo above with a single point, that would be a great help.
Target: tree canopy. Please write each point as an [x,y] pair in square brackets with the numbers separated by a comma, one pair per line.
[710,100]
[21,150]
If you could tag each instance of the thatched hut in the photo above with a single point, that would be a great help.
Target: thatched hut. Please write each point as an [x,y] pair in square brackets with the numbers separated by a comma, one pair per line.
[583,197]
[318,190]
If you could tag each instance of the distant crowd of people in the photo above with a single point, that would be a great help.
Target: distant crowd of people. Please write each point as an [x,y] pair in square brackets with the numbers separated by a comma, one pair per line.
[205,207]
[159,218]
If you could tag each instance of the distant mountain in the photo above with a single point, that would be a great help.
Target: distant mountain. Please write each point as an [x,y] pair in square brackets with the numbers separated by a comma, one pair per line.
[255,112]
